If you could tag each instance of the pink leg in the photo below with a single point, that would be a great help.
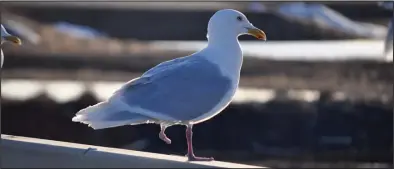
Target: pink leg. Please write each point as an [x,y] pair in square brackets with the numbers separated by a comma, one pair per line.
[163,136]
[190,153]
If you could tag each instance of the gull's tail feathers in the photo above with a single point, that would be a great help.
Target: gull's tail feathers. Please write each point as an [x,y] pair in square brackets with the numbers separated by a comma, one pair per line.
[105,115]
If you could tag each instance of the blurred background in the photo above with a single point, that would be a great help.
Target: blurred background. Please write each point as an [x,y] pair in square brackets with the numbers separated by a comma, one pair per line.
[318,93]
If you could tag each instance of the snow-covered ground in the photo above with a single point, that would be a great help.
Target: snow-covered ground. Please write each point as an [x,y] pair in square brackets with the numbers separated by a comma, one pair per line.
[64,91]
[296,50]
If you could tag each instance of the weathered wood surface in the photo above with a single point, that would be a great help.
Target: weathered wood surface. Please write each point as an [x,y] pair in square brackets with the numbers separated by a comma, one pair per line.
[24,152]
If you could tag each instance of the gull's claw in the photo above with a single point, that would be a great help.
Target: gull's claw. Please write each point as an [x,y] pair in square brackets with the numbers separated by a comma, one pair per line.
[194,158]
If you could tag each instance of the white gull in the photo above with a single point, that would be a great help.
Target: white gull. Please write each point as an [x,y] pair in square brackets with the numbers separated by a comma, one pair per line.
[6,37]
[183,91]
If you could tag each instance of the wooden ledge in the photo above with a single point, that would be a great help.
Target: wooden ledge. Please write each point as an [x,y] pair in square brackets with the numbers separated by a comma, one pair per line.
[24,152]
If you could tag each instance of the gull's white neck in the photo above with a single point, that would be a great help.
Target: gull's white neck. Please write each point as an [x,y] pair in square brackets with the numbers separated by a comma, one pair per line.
[225,52]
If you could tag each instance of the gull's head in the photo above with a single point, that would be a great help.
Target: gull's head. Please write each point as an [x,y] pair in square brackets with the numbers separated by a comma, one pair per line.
[6,37]
[229,22]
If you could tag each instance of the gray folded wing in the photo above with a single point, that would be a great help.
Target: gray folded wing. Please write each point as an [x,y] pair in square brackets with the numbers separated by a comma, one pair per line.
[182,91]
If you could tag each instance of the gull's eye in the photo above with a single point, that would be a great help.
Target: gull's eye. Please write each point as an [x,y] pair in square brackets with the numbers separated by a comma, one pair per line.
[239,18]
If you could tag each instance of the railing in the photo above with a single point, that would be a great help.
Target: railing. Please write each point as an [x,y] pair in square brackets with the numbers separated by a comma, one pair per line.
[23,152]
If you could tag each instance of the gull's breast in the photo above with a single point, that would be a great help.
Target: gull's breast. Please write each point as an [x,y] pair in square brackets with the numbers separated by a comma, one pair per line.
[225,101]
[231,87]
[2,57]
[229,65]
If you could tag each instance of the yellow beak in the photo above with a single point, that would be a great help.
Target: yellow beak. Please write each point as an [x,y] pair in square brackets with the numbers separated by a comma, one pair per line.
[13,39]
[257,33]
